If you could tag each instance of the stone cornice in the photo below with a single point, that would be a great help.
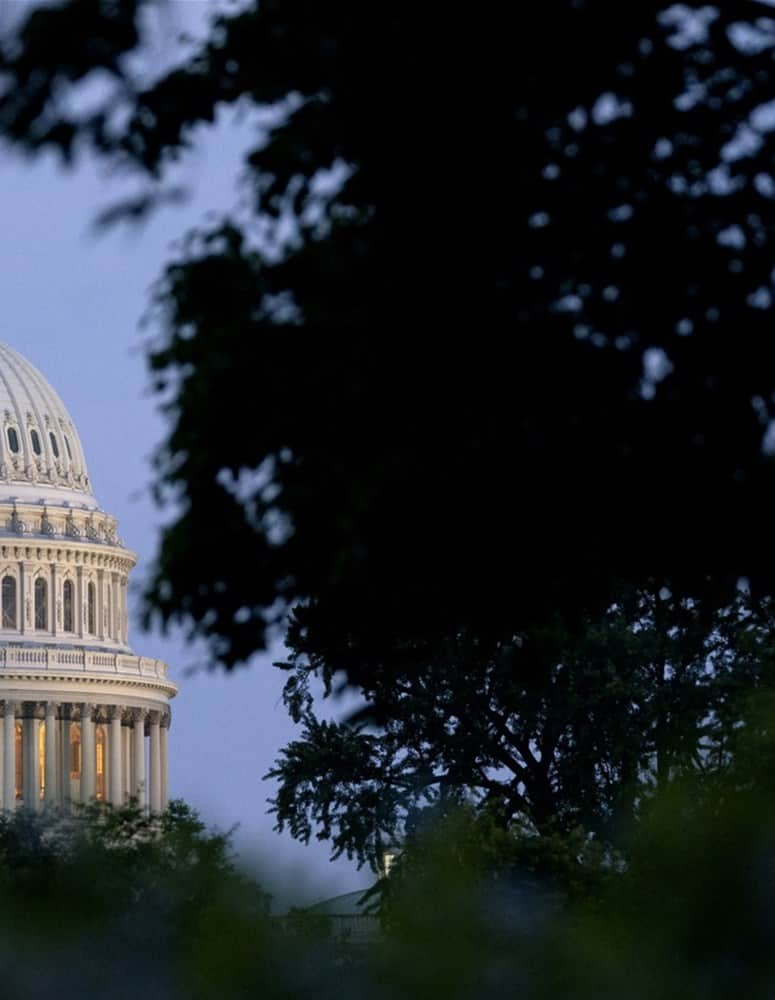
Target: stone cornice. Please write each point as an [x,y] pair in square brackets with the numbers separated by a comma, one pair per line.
[168,689]
[56,524]
[65,552]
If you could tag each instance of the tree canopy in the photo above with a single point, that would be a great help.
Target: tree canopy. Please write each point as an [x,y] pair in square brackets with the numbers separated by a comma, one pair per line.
[561,731]
[414,470]
[431,488]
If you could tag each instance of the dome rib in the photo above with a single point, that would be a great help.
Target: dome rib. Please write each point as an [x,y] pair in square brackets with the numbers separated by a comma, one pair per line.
[8,361]
[33,403]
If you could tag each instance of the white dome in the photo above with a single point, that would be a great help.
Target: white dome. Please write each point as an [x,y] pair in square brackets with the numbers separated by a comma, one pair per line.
[41,458]
[68,677]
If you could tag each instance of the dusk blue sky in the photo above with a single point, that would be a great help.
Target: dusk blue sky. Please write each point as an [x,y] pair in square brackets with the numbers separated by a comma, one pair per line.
[71,303]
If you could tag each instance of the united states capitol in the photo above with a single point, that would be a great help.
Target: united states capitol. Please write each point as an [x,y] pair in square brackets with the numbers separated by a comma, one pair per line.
[82,716]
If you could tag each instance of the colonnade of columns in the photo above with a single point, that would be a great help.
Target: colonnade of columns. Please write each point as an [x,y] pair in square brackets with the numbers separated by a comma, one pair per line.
[83,752]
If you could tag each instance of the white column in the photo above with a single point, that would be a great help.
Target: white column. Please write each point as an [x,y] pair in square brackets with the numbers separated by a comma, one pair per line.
[58,599]
[88,755]
[50,792]
[25,575]
[126,765]
[9,756]
[138,758]
[155,759]
[30,760]
[113,632]
[106,792]
[78,612]
[53,598]
[165,797]
[115,746]
[99,611]
[124,613]
[64,757]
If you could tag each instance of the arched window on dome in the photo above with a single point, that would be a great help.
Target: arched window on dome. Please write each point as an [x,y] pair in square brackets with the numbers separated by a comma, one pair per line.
[13,440]
[8,600]
[41,604]
[67,447]
[99,742]
[35,439]
[67,605]
[54,443]
[91,609]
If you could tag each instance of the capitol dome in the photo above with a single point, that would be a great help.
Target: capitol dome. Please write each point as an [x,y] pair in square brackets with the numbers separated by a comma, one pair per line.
[76,702]
[39,445]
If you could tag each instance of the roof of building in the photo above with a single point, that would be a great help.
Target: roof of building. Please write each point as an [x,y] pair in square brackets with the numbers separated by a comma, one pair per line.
[347,905]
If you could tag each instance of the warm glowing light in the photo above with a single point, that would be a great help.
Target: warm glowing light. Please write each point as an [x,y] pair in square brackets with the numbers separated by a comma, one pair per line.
[100,743]
[42,759]
[75,751]
[19,760]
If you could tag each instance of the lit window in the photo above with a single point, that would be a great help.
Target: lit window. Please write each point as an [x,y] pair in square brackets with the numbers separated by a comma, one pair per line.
[67,601]
[99,739]
[41,759]
[9,602]
[41,604]
[91,608]
[67,448]
[35,438]
[19,759]
[75,750]
[54,445]
[388,860]
[13,440]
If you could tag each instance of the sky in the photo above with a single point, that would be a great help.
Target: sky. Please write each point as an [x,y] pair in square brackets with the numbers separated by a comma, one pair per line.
[71,303]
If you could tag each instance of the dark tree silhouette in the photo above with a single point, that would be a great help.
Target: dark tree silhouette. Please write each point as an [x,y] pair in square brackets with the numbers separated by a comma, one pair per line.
[555,732]
[348,431]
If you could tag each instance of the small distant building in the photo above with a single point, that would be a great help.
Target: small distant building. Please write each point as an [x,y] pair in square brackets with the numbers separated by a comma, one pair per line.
[349,921]
[351,916]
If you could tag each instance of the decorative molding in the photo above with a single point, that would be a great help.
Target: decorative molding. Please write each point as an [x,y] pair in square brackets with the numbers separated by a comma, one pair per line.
[139,716]
[94,527]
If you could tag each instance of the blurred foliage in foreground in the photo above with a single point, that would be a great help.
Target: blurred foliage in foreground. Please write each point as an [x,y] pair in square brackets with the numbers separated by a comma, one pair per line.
[113,902]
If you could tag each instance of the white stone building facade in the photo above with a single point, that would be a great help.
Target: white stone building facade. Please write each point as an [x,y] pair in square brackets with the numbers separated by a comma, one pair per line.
[82,717]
